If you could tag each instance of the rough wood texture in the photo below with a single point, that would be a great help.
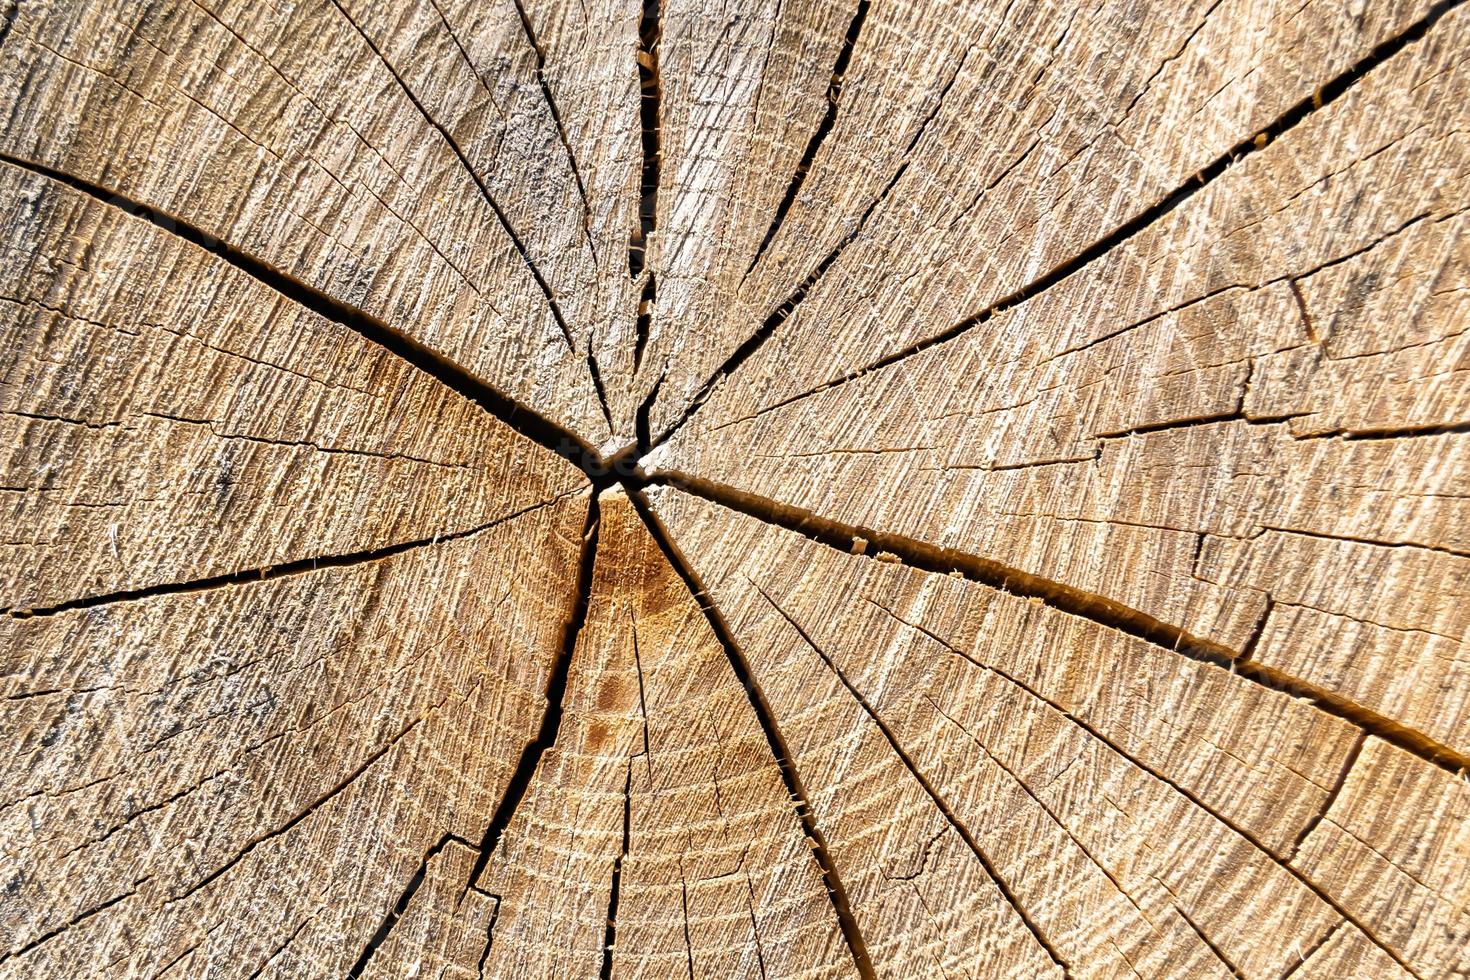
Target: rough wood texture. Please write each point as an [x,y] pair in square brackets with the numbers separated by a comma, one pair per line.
[768,488]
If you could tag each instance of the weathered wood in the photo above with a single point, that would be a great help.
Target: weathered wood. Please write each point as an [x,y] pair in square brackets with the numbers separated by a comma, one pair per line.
[188,771]
[154,397]
[659,806]
[773,488]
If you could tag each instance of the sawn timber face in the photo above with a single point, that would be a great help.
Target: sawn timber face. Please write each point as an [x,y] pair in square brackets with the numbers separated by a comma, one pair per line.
[767,488]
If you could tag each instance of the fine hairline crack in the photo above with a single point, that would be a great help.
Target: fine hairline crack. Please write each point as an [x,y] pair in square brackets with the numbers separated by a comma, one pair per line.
[474,174]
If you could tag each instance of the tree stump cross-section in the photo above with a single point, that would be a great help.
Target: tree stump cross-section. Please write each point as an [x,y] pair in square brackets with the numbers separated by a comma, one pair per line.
[523,488]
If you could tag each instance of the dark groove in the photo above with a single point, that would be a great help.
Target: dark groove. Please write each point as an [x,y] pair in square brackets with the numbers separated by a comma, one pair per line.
[785,761]
[1332,795]
[1182,791]
[641,430]
[829,119]
[614,891]
[76,920]
[1304,956]
[1326,95]
[556,687]
[489,935]
[596,373]
[1077,602]
[301,816]
[1210,944]
[254,974]
[955,823]
[7,20]
[650,97]
[1248,649]
[539,429]
[396,913]
[249,576]
[1402,432]
[643,325]
[474,175]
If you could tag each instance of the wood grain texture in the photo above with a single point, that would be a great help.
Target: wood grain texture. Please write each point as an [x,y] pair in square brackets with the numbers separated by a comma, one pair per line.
[659,805]
[1134,428]
[980,693]
[177,759]
[765,488]
[287,133]
[1010,140]
[169,419]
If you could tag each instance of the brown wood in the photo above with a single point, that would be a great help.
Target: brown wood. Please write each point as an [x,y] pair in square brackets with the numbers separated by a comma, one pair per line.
[755,489]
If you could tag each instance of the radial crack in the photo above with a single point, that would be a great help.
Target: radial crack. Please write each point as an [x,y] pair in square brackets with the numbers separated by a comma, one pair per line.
[650,98]
[596,372]
[556,686]
[538,428]
[1144,767]
[469,168]
[1332,795]
[250,576]
[395,913]
[784,759]
[1077,602]
[783,310]
[829,119]
[939,802]
[561,130]
[614,890]
[1293,116]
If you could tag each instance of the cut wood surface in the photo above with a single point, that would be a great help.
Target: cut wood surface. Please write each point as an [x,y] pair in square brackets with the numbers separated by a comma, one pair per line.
[766,488]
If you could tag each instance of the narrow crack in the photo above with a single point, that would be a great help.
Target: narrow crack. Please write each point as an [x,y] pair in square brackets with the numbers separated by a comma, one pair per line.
[534,426]
[75,921]
[650,97]
[643,324]
[952,818]
[556,686]
[489,932]
[880,545]
[642,432]
[614,890]
[829,119]
[1210,944]
[285,944]
[785,761]
[250,576]
[684,902]
[1025,787]
[1189,795]
[596,372]
[783,310]
[1293,116]
[1304,955]
[1332,795]
[401,906]
[321,801]
[561,130]
[650,109]
[469,168]
[1396,432]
